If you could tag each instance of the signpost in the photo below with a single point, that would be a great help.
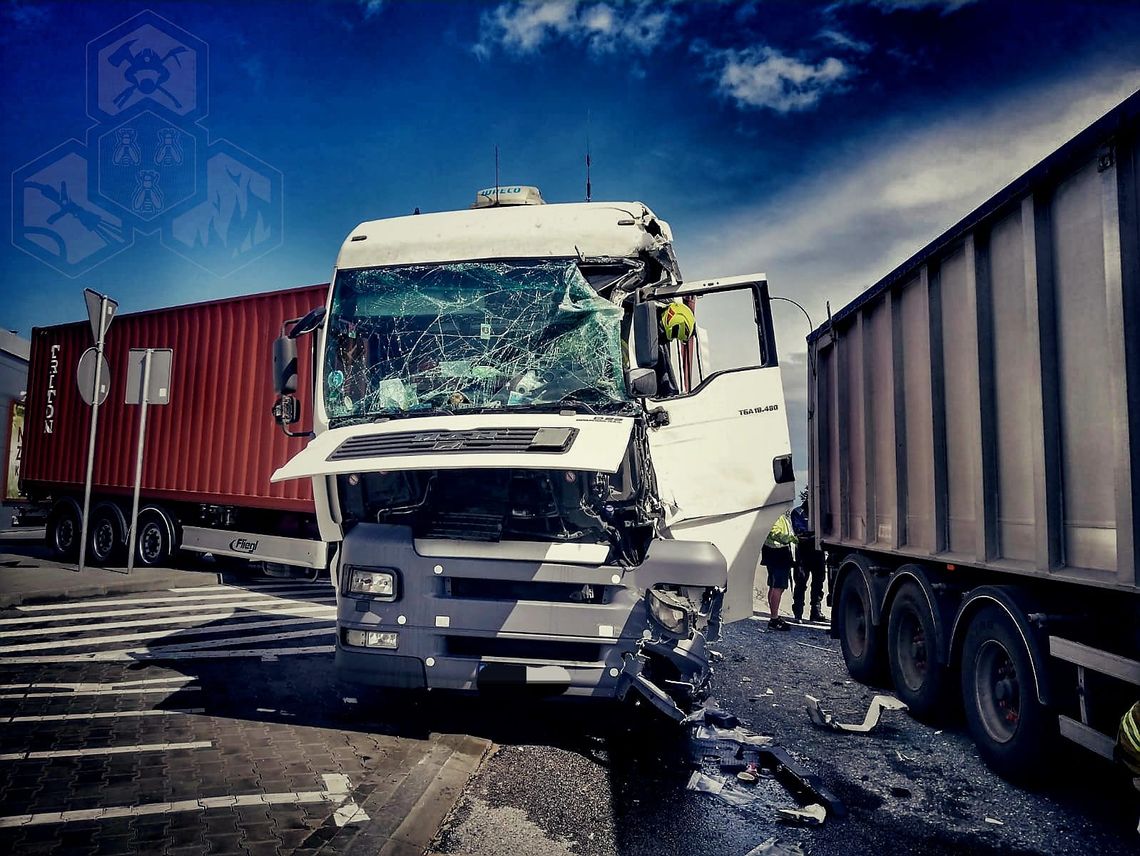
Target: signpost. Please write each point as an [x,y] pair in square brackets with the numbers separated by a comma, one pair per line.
[148,382]
[100,311]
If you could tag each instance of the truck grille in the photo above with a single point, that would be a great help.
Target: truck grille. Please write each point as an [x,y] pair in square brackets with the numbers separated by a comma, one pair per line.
[451,442]
[465,526]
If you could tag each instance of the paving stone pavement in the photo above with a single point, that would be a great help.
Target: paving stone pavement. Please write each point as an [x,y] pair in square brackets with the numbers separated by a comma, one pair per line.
[205,720]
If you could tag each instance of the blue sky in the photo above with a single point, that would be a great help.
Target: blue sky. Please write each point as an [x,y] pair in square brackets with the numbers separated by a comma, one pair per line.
[819,142]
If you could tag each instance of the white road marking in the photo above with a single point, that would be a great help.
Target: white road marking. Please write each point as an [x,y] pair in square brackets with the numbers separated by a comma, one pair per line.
[100,714]
[202,617]
[84,686]
[167,654]
[262,604]
[235,629]
[106,750]
[125,691]
[87,603]
[252,587]
[336,792]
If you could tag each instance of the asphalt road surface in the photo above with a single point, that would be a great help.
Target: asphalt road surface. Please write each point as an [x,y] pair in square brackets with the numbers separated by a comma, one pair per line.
[207,720]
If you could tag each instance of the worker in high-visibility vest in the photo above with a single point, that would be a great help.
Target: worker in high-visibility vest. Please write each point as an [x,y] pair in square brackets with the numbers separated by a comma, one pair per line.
[776,556]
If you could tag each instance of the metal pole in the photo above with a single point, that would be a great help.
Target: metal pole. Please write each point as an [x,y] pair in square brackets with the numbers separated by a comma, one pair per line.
[144,398]
[91,435]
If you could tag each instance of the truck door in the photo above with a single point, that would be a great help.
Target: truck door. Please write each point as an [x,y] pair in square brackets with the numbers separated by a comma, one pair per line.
[720,448]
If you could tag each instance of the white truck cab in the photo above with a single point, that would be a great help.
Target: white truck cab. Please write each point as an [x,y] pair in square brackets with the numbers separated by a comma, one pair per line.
[525,482]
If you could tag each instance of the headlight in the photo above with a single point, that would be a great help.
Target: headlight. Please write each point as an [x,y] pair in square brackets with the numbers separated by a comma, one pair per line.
[372,582]
[372,639]
[670,610]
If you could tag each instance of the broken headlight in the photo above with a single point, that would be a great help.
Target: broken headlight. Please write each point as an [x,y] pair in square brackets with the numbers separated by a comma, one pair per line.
[373,582]
[671,610]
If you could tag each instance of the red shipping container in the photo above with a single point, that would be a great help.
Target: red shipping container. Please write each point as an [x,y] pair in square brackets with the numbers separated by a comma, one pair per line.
[215,442]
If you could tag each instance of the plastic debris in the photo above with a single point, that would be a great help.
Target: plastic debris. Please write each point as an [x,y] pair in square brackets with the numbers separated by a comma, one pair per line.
[810,815]
[995,821]
[772,847]
[903,757]
[823,719]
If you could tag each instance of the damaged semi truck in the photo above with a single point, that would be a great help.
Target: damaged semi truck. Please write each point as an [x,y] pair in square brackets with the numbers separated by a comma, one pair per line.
[524,482]
[974,450]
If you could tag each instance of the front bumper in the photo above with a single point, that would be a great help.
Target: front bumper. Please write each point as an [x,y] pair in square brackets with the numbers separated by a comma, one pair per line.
[481,623]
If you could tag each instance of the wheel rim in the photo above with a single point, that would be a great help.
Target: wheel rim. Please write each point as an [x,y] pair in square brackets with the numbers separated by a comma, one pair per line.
[997,691]
[150,543]
[855,623]
[911,651]
[103,539]
[65,534]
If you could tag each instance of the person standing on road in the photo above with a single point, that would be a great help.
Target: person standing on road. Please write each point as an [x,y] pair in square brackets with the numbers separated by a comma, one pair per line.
[809,564]
[776,556]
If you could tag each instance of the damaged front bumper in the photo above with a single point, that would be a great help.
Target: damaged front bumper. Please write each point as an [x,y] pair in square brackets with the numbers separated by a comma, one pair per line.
[488,622]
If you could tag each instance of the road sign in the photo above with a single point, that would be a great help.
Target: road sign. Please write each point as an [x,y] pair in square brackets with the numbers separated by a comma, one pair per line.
[85,375]
[158,384]
[99,305]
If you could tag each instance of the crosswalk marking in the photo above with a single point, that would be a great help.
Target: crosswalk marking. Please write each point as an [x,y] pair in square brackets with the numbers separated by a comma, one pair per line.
[96,686]
[326,615]
[100,714]
[159,654]
[87,603]
[106,750]
[336,791]
[184,619]
[125,691]
[261,604]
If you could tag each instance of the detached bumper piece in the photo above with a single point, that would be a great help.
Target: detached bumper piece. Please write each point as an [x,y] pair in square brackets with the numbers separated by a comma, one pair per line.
[668,674]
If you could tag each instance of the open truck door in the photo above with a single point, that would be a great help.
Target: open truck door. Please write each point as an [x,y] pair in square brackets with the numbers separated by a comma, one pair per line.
[719,436]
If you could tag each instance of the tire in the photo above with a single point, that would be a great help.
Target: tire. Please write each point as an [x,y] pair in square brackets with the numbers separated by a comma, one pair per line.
[105,537]
[153,546]
[1009,726]
[858,636]
[64,531]
[919,679]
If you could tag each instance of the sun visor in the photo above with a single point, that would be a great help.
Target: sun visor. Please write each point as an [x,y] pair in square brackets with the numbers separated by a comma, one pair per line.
[477,441]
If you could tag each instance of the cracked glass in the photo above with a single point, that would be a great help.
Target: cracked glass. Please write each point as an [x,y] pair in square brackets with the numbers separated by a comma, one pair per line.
[474,335]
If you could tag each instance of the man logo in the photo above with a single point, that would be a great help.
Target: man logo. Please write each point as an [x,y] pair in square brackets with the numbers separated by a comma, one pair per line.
[242,545]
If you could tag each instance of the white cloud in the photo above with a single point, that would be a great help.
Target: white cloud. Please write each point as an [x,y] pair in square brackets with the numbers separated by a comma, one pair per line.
[524,27]
[845,42]
[764,77]
[371,8]
[888,6]
[831,237]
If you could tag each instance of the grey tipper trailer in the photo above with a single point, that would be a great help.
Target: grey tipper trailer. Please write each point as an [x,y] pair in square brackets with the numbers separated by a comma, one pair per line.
[974,454]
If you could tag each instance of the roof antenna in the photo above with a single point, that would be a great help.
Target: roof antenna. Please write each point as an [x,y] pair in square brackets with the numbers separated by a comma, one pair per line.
[496,202]
[588,192]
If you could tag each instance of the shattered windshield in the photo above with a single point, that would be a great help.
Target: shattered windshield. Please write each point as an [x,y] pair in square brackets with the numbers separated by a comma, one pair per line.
[470,335]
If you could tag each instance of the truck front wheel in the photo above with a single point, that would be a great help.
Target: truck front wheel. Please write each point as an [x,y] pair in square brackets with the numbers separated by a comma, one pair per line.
[858,636]
[1009,725]
[916,673]
[63,531]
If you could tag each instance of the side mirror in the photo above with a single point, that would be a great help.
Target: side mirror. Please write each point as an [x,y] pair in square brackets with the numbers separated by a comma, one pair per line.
[284,365]
[312,321]
[286,411]
[643,382]
[646,348]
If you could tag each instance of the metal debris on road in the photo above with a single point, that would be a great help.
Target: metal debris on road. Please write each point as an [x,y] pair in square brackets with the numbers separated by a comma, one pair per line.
[772,847]
[823,719]
[995,821]
[810,815]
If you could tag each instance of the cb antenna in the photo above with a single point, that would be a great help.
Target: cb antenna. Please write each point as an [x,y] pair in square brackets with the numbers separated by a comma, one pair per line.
[588,192]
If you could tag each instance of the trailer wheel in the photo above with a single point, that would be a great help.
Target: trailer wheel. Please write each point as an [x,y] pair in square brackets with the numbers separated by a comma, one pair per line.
[918,677]
[858,636]
[153,546]
[105,538]
[63,531]
[1008,723]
